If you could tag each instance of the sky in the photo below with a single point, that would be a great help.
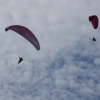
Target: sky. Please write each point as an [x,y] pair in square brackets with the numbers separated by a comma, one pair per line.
[67,67]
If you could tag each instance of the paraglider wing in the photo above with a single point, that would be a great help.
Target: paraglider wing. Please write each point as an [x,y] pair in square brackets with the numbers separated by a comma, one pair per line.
[94,20]
[26,33]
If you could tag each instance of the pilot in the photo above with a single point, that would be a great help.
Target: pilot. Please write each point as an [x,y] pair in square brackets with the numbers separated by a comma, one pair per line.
[94,39]
[20,60]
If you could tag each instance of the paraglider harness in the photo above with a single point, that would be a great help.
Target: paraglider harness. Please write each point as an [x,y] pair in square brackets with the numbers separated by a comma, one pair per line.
[20,60]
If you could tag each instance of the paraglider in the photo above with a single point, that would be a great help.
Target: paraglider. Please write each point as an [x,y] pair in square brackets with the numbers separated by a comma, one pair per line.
[94,20]
[20,60]
[26,33]
[94,39]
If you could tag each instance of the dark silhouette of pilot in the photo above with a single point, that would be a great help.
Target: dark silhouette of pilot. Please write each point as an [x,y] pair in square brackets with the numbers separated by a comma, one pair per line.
[20,60]
[94,39]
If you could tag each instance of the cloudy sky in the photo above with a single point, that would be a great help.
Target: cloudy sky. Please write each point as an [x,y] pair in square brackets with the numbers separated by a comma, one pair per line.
[68,65]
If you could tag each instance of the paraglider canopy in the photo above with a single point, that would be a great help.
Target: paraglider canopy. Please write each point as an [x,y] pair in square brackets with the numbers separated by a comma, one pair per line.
[94,20]
[26,33]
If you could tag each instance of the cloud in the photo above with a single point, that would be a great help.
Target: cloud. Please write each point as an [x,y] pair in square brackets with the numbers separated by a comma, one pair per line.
[66,67]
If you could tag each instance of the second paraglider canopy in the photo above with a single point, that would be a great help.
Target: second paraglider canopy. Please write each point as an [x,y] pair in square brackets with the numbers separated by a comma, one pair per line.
[94,20]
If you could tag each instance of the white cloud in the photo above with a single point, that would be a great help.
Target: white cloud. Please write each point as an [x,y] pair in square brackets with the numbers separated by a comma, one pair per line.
[66,67]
